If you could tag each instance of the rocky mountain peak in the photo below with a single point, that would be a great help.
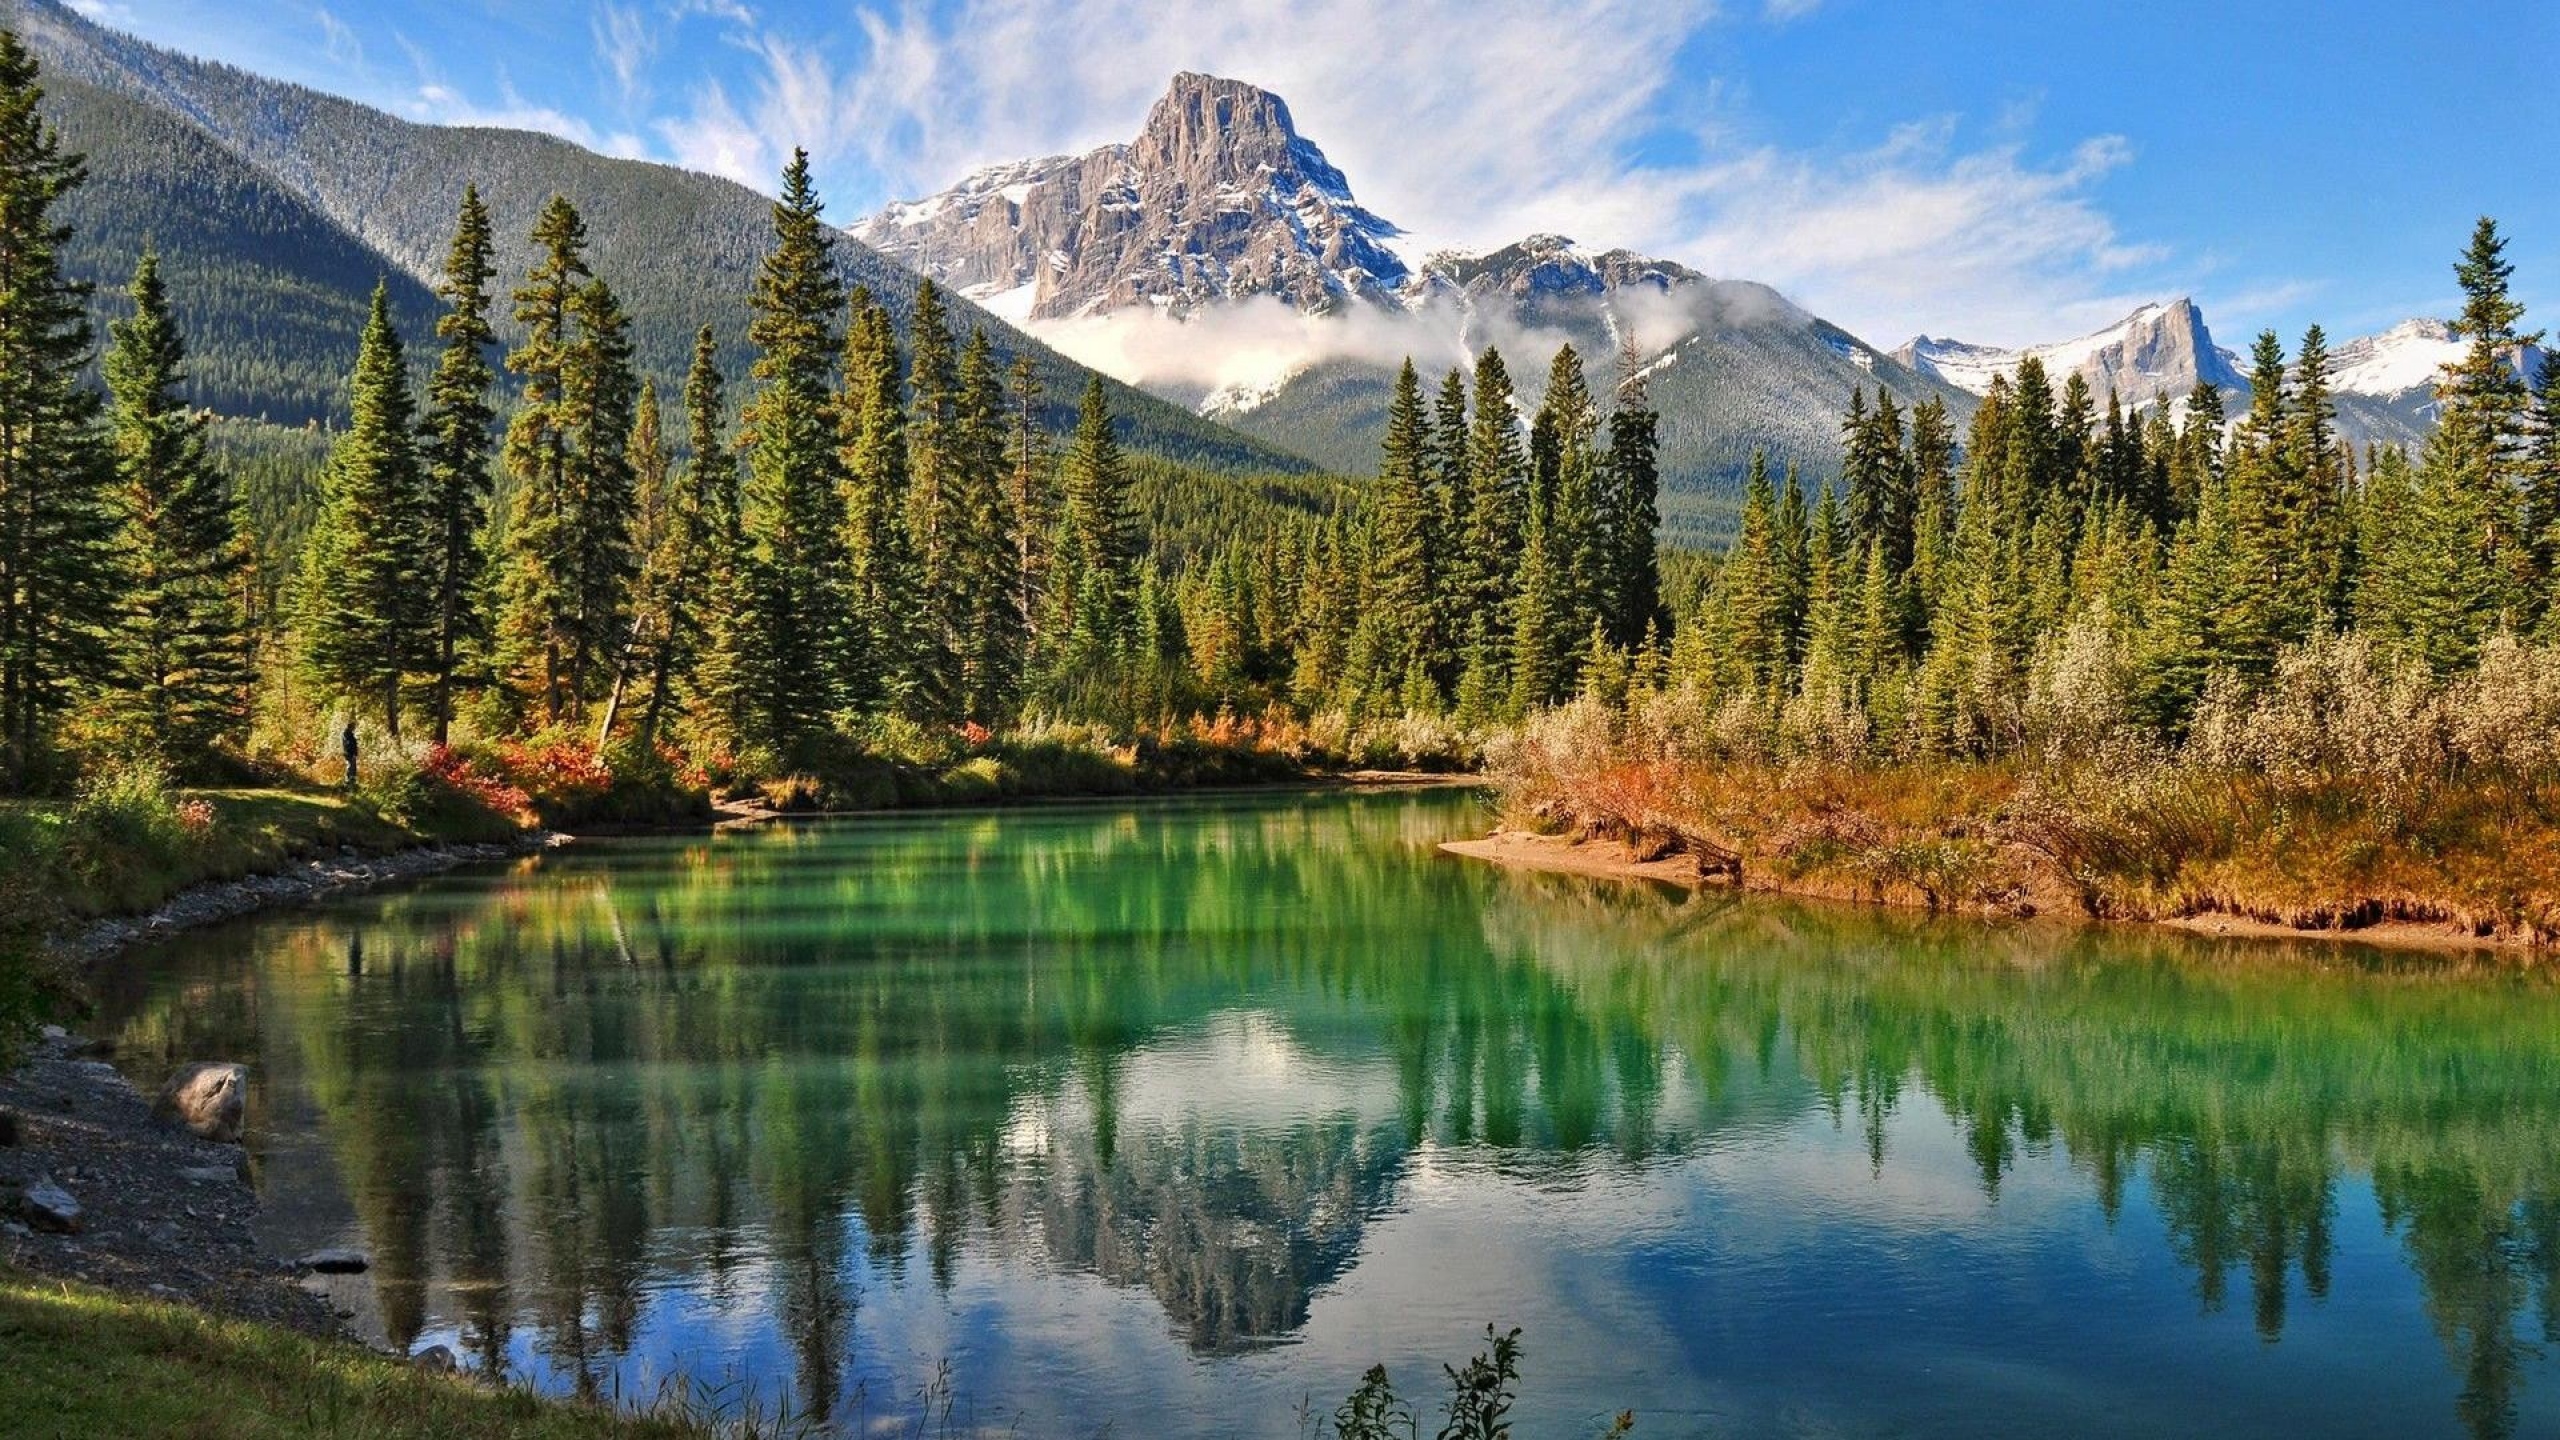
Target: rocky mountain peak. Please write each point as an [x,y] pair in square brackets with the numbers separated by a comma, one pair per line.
[1217,198]
[2160,350]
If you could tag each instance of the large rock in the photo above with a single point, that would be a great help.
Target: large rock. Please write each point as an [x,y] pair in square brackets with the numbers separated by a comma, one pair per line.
[47,1206]
[208,1097]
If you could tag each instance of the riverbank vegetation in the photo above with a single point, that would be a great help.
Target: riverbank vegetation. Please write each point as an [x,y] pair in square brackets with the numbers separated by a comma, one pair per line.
[2223,665]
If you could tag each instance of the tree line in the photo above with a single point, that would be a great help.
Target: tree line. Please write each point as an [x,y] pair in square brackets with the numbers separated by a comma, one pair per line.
[2134,558]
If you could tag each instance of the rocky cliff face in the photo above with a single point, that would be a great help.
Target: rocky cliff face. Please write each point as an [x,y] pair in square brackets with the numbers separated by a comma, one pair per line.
[1218,198]
[2157,351]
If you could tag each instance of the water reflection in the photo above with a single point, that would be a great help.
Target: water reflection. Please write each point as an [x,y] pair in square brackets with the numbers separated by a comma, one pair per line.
[794,1105]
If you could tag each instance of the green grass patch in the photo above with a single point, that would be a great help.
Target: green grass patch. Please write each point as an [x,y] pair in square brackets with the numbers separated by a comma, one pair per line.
[83,1361]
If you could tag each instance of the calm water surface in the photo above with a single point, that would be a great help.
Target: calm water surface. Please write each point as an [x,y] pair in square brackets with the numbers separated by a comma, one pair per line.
[1156,1120]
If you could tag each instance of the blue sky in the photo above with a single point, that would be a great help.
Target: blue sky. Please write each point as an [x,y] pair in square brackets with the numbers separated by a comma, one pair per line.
[1968,170]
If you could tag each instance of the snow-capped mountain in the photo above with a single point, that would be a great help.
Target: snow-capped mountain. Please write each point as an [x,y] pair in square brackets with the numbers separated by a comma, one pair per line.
[2157,351]
[1295,303]
[1219,198]
[2383,385]
[2403,360]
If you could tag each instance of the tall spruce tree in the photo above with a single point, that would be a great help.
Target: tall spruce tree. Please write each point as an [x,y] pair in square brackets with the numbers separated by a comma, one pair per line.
[1095,574]
[58,582]
[455,450]
[1405,547]
[540,601]
[987,555]
[655,516]
[1631,600]
[892,666]
[792,514]
[363,608]
[938,530]
[183,656]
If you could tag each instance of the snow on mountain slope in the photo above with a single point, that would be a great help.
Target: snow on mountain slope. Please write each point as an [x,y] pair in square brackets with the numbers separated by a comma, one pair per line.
[2407,357]
[2157,351]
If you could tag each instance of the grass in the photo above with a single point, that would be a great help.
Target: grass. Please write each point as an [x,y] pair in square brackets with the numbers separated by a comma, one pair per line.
[84,1361]
[135,852]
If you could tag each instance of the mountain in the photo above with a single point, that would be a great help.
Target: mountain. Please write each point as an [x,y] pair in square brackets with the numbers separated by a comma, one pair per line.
[2158,351]
[278,205]
[1221,261]
[2384,384]
[1218,198]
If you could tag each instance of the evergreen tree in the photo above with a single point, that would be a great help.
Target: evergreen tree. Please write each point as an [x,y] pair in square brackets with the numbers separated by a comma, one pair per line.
[540,603]
[986,570]
[2274,601]
[599,407]
[1752,604]
[693,564]
[937,529]
[891,665]
[791,513]
[1405,546]
[58,586]
[656,515]
[362,610]
[1034,512]
[1490,537]
[1094,577]
[455,451]
[1631,603]
[183,649]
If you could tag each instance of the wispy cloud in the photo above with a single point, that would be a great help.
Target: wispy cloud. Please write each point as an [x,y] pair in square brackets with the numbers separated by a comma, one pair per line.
[625,44]
[338,41]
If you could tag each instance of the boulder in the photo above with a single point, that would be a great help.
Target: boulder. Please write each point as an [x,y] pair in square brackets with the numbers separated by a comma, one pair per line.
[208,1097]
[436,1358]
[8,1127]
[47,1206]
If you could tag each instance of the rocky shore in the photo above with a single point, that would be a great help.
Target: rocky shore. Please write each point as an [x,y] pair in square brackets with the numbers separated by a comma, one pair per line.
[95,1187]
[294,885]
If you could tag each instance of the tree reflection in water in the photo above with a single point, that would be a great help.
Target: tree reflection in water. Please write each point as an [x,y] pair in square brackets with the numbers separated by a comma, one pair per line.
[1202,1050]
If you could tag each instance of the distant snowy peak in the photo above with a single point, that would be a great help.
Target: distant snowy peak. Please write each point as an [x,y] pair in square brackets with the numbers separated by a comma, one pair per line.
[2158,350]
[1543,266]
[1218,198]
[2404,359]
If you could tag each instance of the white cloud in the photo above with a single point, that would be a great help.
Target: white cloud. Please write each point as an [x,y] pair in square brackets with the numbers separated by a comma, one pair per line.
[338,41]
[625,44]
[1528,116]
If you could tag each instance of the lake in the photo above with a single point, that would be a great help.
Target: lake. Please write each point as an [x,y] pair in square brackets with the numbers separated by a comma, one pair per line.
[1171,1118]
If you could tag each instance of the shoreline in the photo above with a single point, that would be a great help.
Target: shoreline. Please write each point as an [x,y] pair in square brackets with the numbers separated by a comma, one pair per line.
[1606,859]
[91,944]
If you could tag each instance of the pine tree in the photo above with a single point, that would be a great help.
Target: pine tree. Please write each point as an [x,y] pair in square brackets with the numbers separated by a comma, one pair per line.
[1577,539]
[1094,579]
[1405,547]
[1454,581]
[183,649]
[2482,425]
[1034,514]
[656,516]
[539,623]
[1490,537]
[1632,595]
[891,665]
[791,514]
[2542,488]
[599,406]
[1752,602]
[729,676]
[455,449]
[58,585]
[987,568]
[2274,600]
[362,611]
[934,523]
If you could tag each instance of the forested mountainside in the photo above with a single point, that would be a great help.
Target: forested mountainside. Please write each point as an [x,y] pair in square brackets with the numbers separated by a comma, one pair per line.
[270,191]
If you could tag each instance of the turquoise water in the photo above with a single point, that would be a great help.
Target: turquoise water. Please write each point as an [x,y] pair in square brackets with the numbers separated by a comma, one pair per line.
[1171,1119]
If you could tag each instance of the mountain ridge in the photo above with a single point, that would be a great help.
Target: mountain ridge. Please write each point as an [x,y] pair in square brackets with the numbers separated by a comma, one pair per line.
[680,246]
